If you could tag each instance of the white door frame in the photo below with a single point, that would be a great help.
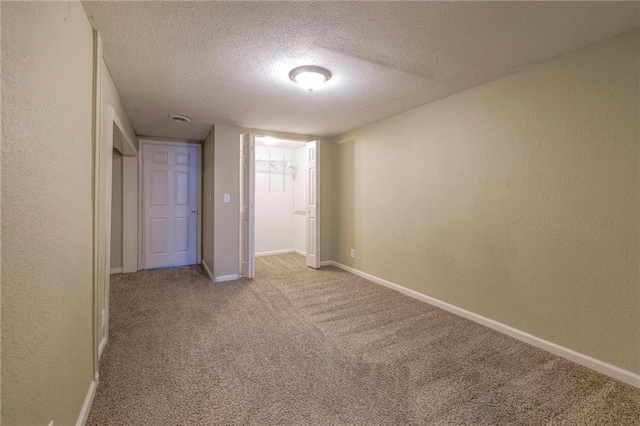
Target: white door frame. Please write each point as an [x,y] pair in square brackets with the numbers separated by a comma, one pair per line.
[148,141]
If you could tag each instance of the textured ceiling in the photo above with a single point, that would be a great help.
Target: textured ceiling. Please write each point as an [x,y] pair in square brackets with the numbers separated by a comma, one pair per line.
[228,62]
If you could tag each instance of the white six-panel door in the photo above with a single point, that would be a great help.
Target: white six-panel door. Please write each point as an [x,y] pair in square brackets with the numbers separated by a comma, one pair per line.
[247,205]
[170,190]
[313,205]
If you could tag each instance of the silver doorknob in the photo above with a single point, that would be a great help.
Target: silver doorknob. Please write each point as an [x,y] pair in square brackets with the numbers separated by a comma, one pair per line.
[194,211]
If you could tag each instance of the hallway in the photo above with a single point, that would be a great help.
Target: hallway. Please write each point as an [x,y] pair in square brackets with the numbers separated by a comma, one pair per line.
[300,346]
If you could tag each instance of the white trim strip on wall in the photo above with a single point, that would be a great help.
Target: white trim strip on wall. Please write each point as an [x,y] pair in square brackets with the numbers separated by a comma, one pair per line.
[88,401]
[103,344]
[275,252]
[115,271]
[224,278]
[208,271]
[595,364]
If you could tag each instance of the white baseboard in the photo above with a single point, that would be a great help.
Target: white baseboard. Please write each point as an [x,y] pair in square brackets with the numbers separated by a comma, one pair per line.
[115,271]
[224,278]
[103,344]
[88,401]
[327,263]
[208,271]
[275,252]
[577,357]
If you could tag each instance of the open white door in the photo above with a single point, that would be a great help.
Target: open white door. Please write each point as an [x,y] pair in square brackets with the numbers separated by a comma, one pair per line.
[313,205]
[247,205]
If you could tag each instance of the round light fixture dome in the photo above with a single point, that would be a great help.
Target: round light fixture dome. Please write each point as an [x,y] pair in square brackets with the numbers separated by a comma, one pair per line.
[310,77]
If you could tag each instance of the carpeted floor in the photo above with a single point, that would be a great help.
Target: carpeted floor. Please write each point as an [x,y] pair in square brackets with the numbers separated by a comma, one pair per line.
[304,347]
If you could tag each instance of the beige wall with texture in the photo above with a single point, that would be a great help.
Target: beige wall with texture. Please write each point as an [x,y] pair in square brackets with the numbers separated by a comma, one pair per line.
[517,200]
[208,165]
[116,210]
[47,72]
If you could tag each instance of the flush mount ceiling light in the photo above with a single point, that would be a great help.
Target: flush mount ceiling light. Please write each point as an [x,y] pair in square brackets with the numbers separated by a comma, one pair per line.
[310,77]
[180,118]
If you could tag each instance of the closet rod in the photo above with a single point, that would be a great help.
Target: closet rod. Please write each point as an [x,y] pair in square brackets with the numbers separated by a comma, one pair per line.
[282,162]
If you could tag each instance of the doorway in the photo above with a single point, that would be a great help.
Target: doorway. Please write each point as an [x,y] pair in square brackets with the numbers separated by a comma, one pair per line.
[116,171]
[279,200]
[170,183]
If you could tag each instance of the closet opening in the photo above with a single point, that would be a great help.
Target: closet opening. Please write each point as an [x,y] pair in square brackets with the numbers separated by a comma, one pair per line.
[280,205]
[280,197]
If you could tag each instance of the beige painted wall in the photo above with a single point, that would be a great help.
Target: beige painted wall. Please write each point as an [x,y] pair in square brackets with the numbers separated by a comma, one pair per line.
[226,216]
[47,212]
[208,164]
[326,199]
[116,210]
[517,200]
[227,180]
[129,214]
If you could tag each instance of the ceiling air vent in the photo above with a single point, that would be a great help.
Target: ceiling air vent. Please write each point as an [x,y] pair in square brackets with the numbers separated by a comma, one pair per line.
[180,118]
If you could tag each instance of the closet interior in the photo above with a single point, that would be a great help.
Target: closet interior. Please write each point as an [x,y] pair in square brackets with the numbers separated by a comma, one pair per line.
[281,181]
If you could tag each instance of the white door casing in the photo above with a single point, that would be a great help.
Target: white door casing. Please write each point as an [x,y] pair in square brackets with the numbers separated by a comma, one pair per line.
[247,205]
[313,204]
[170,187]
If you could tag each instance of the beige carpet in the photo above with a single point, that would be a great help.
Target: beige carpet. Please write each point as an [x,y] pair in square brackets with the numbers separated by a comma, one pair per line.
[304,347]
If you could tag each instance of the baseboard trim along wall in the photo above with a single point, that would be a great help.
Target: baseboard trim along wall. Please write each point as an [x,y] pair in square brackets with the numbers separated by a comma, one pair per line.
[275,252]
[88,401]
[224,278]
[595,364]
[115,271]
[207,270]
[103,344]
